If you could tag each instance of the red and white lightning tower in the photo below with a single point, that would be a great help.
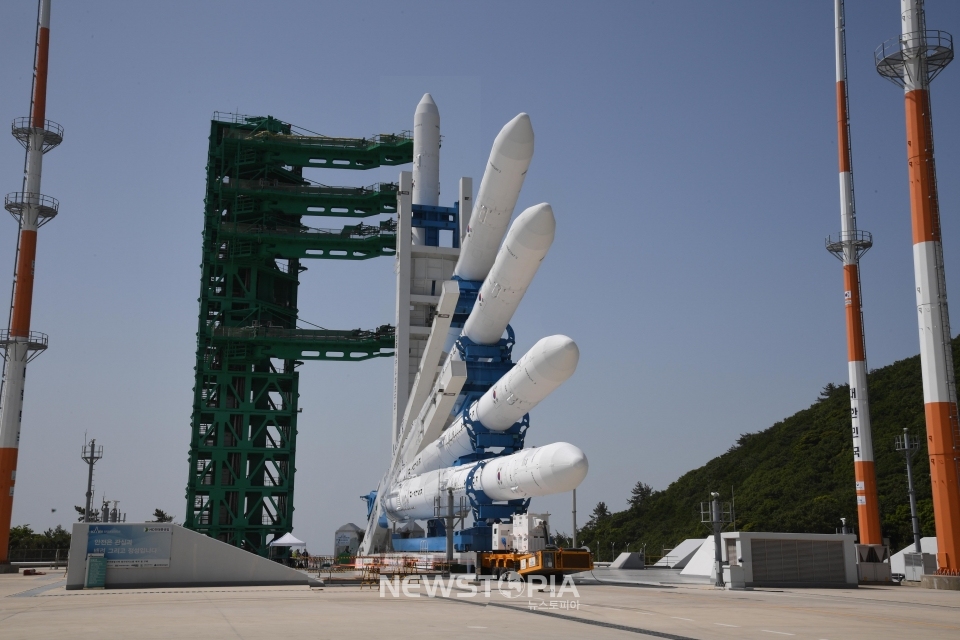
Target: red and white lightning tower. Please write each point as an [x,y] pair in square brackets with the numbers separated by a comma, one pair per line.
[851,245]
[912,61]
[31,209]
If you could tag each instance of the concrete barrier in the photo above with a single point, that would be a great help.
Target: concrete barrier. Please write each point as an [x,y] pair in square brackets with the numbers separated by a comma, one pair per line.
[195,560]
[949,583]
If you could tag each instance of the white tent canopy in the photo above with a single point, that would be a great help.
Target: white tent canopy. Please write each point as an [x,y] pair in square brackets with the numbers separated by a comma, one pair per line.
[287,540]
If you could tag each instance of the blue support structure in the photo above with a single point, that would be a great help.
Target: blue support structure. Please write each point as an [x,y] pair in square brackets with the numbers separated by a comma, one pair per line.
[437,219]
[486,364]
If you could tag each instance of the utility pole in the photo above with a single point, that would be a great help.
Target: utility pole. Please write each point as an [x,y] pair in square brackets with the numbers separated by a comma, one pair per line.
[574,519]
[717,526]
[909,445]
[717,515]
[449,529]
[90,454]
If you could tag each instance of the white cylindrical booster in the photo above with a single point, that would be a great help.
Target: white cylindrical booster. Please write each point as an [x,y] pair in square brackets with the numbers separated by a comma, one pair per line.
[502,179]
[555,468]
[542,369]
[524,248]
[426,153]
[426,158]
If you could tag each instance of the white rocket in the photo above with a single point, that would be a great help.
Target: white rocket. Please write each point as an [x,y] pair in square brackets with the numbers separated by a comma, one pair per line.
[541,370]
[502,179]
[516,263]
[426,158]
[554,468]
[410,491]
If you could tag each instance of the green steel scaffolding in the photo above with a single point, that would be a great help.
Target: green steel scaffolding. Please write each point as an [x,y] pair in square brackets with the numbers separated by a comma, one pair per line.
[244,425]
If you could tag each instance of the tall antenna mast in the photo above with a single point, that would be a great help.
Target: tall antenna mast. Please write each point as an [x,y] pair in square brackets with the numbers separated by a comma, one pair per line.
[912,61]
[852,244]
[32,210]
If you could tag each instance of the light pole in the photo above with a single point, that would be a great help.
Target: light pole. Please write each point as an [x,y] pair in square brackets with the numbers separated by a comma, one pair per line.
[717,515]
[90,454]
[574,542]
[910,445]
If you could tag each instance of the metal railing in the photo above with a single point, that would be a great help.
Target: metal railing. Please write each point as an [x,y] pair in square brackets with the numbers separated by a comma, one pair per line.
[860,241]
[357,231]
[53,556]
[312,189]
[22,128]
[323,141]
[17,201]
[357,335]
[35,340]
[935,46]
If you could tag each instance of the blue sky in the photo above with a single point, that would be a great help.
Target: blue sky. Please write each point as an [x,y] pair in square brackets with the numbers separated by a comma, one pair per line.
[688,150]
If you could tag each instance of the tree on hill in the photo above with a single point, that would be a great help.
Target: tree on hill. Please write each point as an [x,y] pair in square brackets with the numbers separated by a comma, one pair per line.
[600,514]
[81,513]
[159,515]
[24,537]
[639,494]
[794,476]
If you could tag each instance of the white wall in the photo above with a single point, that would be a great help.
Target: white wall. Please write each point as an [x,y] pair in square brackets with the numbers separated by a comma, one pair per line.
[195,561]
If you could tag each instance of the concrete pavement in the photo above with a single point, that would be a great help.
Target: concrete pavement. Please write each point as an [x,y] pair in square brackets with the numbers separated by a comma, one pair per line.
[40,607]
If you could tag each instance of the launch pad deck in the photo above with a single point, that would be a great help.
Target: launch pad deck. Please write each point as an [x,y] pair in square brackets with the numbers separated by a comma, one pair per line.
[38,606]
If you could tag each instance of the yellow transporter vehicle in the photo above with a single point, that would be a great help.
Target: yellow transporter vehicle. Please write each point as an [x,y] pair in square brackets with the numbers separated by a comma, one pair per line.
[552,561]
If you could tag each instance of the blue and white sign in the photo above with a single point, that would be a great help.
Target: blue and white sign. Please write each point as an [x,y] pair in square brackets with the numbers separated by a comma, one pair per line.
[131,546]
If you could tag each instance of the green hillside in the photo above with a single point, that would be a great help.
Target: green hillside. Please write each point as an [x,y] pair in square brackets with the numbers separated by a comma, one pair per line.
[795,476]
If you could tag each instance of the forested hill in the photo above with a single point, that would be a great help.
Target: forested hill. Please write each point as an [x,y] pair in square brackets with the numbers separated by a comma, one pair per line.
[795,476]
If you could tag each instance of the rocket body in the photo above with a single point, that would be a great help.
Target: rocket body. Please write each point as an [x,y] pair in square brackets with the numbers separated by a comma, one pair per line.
[546,366]
[499,190]
[426,158]
[516,264]
[555,468]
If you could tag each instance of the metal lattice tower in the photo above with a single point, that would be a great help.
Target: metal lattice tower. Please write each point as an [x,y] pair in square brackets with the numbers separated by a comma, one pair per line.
[249,345]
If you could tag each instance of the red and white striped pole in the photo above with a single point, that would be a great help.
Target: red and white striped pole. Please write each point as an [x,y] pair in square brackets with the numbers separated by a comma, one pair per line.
[852,245]
[36,135]
[921,54]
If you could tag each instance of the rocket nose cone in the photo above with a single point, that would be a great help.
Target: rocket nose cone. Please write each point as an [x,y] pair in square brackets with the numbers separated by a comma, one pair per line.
[558,358]
[535,227]
[565,466]
[427,105]
[515,140]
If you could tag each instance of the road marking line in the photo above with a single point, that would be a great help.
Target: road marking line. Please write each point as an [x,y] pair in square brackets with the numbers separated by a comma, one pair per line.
[726,625]
[598,606]
[782,633]
[687,619]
